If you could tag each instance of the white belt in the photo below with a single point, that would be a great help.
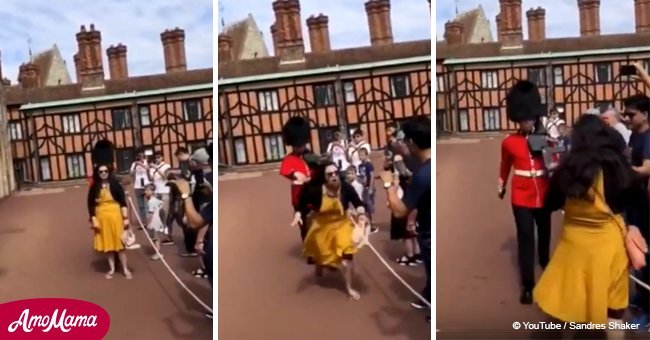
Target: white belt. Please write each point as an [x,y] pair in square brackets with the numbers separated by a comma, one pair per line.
[297,182]
[530,173]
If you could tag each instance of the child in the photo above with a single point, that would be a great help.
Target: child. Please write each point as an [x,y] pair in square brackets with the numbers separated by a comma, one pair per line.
[564,136]
[351,178]
[366,178]
[155,225]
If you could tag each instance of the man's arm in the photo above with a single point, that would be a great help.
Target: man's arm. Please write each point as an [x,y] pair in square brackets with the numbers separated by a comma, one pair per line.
[194,218]
[505,165]
[644,169]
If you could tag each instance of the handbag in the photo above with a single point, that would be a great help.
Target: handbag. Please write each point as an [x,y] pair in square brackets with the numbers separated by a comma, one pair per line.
[635,244]
[359,233]
[128,238]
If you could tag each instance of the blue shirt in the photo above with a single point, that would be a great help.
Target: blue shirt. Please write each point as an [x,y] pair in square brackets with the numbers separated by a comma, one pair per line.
[418,196]
[365,173]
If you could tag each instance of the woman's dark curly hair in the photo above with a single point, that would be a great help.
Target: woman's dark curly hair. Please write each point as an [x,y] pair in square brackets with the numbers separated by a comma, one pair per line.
[319,172]
[595,147]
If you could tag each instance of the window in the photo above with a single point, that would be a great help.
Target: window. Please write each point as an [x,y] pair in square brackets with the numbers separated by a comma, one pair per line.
[603,72]
[268,100]
[441,121]
[121,118]
[537,76]
[192,110]
[324,95]
[71,123]
[46,175]
[124,158]
[440,84]
[604,105]
[400,86]
[489,80]
[463,120]
[491,119]
[240,151]
[273,147]
[145,115]
[348,89]
[558,75]
[76,166]
[15,131]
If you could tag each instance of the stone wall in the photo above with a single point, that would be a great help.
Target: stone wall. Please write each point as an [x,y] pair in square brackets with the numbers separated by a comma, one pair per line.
[7,180]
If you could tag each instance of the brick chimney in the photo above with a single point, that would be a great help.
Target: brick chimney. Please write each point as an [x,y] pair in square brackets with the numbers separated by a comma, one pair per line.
[454,31]
[511,23]
[276,37]
[90,57]
[319,36]
[78,66]
[117,64]
[226,52]
[536,24]
[499,23]
[642,15]
[174,50]
[379,24]
[29,76]
[589,17]
[289,25]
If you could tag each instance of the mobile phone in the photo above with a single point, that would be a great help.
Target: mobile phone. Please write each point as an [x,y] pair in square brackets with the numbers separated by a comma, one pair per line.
[628,70]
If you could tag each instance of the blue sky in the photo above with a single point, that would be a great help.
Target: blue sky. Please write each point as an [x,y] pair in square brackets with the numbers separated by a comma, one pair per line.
[562,18]
[348,24]
[134,23]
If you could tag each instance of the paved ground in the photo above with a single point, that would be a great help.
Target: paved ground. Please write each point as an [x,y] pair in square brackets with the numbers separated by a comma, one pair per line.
[46,251]
[266,291]
[477,282]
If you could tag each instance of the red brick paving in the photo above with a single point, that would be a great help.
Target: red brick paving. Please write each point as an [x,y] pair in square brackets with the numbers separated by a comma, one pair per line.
[46,251]
[267,292]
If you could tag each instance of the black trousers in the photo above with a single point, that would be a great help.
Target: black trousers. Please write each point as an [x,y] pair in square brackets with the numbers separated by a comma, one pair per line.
[525,220]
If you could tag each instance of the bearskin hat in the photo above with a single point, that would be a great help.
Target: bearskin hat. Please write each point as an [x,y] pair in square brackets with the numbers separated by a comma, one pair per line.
[103,153]
[523,102]
[295,132]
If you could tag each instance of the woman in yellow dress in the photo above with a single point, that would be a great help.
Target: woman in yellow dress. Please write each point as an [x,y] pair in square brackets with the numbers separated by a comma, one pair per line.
[109,218]
[325,202]
[586,280]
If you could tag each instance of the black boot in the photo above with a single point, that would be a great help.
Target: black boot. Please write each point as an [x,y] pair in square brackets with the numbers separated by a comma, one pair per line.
[526,297]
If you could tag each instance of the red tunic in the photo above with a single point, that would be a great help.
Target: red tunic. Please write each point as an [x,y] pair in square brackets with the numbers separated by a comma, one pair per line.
[530,179]
[293,163]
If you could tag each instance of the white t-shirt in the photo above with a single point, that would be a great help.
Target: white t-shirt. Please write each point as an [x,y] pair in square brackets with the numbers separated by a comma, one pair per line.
[154,206]
[338,152]
[553,127]
[141,178]
[358,187]
[353,153]
[158,178]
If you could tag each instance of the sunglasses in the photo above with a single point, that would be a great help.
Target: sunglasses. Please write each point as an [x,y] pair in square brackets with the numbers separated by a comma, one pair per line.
[332,174]
[103,171]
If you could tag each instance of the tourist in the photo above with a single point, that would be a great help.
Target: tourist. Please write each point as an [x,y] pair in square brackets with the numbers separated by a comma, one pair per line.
[337,151]
[366,176]
[358,143]
[329,240]
[158,173]
[614,119]
[586,280]
[352,179]
[176,213]
[140,180]
[553,123]
[154,219]
[109,217]
[417,137]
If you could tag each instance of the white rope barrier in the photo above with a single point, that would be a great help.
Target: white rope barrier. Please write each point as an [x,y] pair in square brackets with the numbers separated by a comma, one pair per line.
[180,282]
[639,282]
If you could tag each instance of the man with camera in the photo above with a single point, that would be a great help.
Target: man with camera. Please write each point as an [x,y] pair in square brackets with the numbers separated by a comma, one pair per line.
[140,179]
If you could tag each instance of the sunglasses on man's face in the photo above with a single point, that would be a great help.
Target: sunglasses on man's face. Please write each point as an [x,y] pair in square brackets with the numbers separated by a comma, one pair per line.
[332,174]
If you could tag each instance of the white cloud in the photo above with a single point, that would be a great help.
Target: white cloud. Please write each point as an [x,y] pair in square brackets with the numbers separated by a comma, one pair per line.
[562,17]
[134,23]
[348,24]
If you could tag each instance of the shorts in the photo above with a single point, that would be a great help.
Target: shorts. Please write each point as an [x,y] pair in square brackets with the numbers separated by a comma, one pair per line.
[369,200]
[398,229]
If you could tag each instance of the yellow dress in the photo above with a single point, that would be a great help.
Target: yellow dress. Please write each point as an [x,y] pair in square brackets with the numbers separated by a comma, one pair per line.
[111,225]
[330,234]
[588,272]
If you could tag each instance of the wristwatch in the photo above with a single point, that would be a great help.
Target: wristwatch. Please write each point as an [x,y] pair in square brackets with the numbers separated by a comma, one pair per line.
[387,185]
[185,196]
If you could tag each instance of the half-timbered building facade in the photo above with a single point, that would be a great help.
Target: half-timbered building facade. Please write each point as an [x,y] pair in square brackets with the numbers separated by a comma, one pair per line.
[336,90]
[53,128]
[575,73]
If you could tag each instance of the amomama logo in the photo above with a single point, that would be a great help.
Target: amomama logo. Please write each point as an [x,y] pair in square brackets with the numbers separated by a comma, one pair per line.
[53,319]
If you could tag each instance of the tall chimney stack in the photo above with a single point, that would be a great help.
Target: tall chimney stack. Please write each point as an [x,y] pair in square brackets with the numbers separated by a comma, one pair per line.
[379,24]
[536,24]
[454,31]
[117,64]
[499,23]
[226,52]
[123,64]
[174,50]
[642,15]
[90,57]
[319,37]
[78,66]
[276,37]
[289,25]
[29,76]
[511,29]
[589,17]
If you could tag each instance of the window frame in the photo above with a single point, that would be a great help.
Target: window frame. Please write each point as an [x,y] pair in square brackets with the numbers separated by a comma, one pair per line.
[199,110]
[65,122]
[126,112]
[80,157]
[407,85]
[274,100]
[235,142]
[48,166]
[540,78]
[330,96]
[497,119]
[597,79]
[352,91]
[142,108]
[490,79]
[463,113]
[15,128]
[556,75]
[280,147]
